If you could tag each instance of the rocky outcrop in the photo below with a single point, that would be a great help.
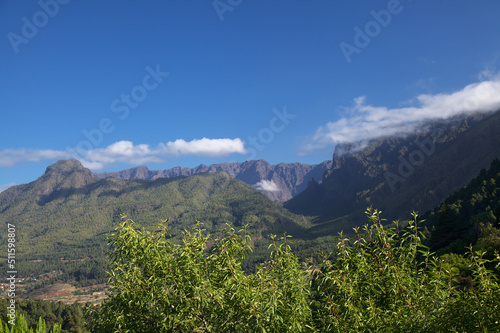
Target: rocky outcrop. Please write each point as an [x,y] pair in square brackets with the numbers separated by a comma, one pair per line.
[278,182]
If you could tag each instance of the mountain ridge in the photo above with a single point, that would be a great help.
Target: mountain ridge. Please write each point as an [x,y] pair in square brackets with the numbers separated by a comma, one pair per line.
[400,174]
[283,180]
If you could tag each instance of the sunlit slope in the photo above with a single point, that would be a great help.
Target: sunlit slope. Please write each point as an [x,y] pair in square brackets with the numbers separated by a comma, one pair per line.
[67,212]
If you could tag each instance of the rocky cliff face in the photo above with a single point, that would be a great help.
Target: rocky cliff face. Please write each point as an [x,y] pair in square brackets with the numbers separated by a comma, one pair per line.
[401,174]
[278,182]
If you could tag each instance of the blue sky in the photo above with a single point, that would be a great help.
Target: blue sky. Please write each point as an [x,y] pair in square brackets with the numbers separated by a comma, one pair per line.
[165,83]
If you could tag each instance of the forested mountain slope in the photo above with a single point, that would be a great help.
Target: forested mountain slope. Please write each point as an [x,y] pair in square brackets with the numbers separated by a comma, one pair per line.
[469,213]
[63,217]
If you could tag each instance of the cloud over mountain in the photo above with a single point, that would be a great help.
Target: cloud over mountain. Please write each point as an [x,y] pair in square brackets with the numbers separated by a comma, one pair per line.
[206,147]
[11,157]
[127,152]
[367,122]
[267,185]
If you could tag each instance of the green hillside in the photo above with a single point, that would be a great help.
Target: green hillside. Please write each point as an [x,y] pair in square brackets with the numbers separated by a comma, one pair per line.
[472,212]
[63,217]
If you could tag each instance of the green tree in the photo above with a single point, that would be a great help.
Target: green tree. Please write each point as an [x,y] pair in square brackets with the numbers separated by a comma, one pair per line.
[159,286]
[21,326]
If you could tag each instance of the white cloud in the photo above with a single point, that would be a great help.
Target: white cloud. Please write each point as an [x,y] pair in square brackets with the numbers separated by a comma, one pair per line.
[11,157]
[6,186]
[367,122]
[486,74]
[127,152]
[121,151]
[267,185]
[206,147]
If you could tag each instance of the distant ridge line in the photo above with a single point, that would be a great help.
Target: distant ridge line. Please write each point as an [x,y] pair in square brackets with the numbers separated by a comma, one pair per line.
[278,182]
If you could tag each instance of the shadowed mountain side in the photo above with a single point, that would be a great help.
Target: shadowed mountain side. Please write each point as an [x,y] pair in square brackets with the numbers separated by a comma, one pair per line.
[400,174]
[278,182]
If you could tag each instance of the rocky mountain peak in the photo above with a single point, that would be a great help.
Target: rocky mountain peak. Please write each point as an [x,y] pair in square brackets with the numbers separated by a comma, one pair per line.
[66,173]
[64,167]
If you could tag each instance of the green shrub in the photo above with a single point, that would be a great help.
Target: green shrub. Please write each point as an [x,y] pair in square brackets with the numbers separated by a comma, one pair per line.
[382,280]
[199,285]
[385,280]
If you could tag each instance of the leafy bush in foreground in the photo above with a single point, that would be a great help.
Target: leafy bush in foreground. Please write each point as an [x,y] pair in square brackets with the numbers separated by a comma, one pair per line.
[386,280]
[159,286]
[382,280]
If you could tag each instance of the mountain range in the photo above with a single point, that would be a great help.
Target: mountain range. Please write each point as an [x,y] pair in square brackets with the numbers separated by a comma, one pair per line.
[278,182]
[62,218]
